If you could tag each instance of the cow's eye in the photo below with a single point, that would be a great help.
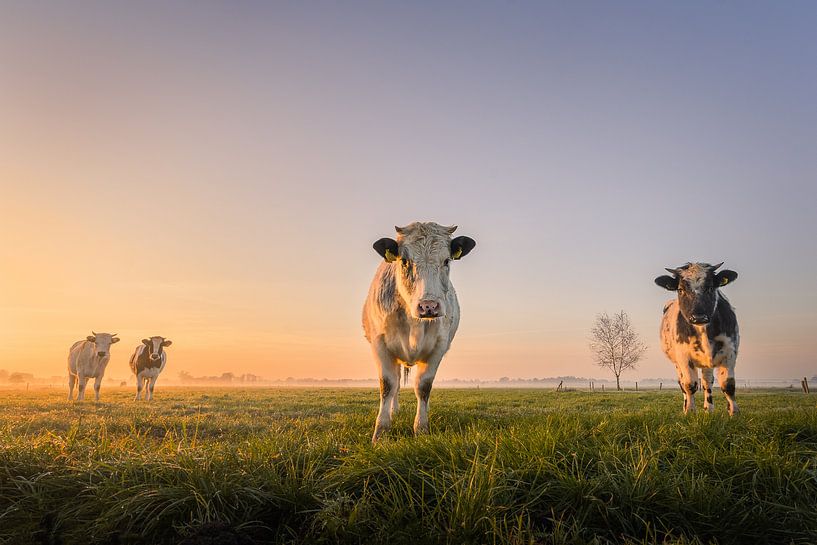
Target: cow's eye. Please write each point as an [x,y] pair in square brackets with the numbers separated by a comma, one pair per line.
[446,262]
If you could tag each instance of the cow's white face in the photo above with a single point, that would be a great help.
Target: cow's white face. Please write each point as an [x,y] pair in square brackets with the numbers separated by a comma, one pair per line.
[155,346]
[697,286]
[421,257]
[103,342]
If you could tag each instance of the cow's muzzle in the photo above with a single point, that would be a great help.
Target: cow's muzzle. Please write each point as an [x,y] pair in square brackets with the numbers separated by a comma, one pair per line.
[101,354]
[699,319]
[429,309]
[154,357]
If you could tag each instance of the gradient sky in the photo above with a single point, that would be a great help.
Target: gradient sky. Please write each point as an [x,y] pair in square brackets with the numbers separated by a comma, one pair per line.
[216,173]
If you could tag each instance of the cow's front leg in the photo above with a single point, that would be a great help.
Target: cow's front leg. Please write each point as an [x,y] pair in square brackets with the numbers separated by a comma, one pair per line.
[83,382]
[707,380]
[389,372]
[688,380]
[97,385]
[423,381]
[72,380]
[726,380]
[140,382]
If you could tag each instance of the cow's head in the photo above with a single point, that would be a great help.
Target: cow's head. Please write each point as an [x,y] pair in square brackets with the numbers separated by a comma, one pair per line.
[421,256]
[103,342]
[155,346]
[697,286]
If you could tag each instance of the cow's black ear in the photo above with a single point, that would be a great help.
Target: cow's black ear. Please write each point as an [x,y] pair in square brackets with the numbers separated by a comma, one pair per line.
[667,282]
[725,277]
[387,248]
[146,342]
[91,338]
[460,246]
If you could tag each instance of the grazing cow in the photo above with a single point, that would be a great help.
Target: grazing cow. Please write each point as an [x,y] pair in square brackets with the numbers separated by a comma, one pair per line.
[88,359]
[700,330]
[411,313]
[147,361]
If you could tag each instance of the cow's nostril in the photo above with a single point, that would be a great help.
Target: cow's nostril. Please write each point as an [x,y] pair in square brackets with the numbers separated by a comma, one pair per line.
[429,309]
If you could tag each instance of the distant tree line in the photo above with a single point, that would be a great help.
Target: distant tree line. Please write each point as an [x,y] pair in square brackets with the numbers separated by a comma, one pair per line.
[225,378]
[15,377]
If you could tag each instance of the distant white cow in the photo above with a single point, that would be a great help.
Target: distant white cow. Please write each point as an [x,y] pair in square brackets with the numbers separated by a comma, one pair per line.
[147,362]
[88,359]
[411,313]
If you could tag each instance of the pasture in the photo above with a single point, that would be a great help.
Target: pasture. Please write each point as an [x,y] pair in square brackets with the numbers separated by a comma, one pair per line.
[500,466]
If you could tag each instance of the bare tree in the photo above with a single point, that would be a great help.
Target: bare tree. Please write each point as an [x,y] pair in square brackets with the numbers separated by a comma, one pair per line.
[615,345]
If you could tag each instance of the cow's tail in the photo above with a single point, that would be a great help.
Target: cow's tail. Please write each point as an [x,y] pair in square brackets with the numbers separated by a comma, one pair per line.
[406,371]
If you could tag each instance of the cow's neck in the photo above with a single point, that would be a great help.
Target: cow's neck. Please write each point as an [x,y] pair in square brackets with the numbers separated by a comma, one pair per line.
[422,338]
[417,331]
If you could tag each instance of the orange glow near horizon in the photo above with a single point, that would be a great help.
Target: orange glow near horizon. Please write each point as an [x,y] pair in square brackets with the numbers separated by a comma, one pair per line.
[217,176]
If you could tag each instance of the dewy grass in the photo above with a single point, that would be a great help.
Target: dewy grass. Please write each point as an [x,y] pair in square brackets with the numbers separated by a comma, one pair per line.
[500,467]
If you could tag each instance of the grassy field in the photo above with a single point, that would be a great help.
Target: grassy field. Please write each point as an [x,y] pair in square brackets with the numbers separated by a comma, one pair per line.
[500,466]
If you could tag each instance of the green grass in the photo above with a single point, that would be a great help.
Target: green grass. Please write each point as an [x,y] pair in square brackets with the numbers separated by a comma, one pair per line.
[500,466]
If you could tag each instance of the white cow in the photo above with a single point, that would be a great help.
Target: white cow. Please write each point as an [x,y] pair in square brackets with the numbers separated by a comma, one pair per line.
[411,313]
[88,359]
[147,362]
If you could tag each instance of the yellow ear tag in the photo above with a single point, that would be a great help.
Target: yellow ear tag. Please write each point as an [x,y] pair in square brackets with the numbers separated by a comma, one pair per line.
[724,281]
[457,254]
[390,256]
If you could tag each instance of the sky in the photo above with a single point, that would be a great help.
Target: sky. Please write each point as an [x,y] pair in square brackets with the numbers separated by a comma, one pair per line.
[216,172]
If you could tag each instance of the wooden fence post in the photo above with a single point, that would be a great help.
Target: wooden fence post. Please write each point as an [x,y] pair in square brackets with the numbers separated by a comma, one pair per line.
[660,385]
[636,386]
[804,383]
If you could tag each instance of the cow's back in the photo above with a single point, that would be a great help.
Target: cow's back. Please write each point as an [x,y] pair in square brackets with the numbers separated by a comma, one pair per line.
[135,357]
[669,326]
[78,355]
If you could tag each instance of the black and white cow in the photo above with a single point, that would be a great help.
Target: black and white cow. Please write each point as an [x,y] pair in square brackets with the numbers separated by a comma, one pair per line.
[700,330]
[411,313]
[147,362]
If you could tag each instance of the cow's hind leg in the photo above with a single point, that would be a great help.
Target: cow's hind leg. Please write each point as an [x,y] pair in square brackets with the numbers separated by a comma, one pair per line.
[72,380]
[707,379]
[726,380]
[395,401]
[422,389]
[389,371]
[97,385]
[83,382]
[150,387]
[688,380]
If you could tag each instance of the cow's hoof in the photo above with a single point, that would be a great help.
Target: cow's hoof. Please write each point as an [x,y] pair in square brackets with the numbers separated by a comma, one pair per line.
[378,433]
